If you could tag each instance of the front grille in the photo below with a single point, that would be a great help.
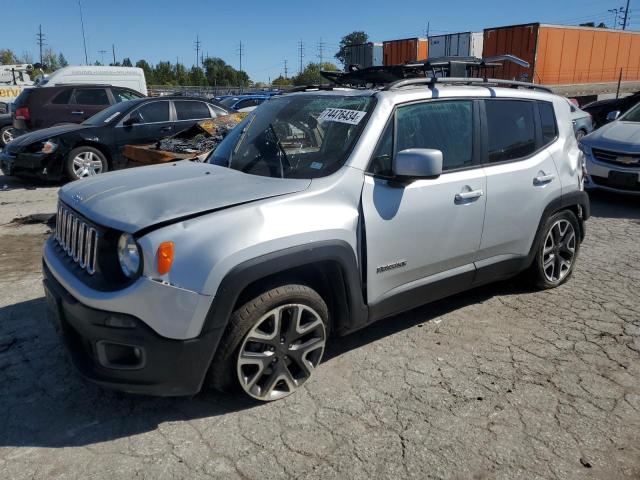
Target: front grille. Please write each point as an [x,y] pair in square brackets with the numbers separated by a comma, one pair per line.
[616,158]
[78,239]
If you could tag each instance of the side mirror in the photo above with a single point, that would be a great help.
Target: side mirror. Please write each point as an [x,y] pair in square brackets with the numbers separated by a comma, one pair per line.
[611,116]
[134,118]
[416,163]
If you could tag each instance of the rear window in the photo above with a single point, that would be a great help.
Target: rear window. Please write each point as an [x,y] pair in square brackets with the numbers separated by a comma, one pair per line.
[92,96]
[21,100]
[511,129]
[190,110]
[548,122]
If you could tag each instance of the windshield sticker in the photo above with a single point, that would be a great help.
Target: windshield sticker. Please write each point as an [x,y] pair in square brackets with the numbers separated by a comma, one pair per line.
[316,165]
[111,117]
[341,115]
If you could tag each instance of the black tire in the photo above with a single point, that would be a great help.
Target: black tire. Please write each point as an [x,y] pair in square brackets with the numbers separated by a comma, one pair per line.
[94,154]
[4,131]
[223,372]
[537,274]
[580,134]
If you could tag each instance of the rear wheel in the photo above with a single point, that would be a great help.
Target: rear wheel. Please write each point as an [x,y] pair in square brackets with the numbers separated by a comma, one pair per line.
[557,252]
[85,162]
[273,344]
[6,135]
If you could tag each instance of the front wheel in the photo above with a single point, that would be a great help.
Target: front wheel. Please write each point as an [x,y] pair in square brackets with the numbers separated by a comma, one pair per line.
[558,251]
[273,344]
[6,135]
[85,162]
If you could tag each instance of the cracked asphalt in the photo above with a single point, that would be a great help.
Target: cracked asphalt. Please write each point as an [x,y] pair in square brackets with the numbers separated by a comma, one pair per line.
[500,382]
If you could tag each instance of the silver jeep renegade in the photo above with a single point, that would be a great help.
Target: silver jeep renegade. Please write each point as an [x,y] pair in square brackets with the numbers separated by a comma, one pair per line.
[323,211]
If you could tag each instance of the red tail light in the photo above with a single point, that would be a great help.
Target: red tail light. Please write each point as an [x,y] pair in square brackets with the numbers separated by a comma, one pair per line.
[22,113]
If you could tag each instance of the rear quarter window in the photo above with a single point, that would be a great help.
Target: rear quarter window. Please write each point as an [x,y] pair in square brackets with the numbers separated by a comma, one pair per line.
[62,98]
[548,122]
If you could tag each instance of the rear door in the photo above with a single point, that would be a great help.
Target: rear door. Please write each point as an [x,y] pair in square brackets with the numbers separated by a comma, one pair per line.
[57,110]
[155,124]
[88,101]
[422,238]
[521,176]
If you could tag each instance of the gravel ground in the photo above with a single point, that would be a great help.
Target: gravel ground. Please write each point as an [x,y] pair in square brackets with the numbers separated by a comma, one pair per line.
[500,382]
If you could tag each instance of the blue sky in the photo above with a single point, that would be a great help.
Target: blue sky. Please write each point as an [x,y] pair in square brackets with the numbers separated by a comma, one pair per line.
[270,31]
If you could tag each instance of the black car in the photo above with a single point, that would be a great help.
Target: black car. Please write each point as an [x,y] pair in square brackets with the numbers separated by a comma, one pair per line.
[95,146]
[601,108]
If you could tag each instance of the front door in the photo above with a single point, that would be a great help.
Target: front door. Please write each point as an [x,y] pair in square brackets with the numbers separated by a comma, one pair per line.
[153,123]
[427,232]
[87,102]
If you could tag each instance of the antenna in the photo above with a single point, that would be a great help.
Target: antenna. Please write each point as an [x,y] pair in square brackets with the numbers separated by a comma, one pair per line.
[84,39]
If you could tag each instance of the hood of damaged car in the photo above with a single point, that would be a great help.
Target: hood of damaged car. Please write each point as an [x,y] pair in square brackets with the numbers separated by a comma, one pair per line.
[134,199]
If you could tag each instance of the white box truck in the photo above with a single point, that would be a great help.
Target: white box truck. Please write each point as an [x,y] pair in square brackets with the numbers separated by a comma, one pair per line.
[467,44]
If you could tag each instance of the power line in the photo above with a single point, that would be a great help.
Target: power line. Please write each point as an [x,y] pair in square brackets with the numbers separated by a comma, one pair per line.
[197,49]
[321,46]
[113,50]
[301,50]
[84,39]
[626,16]
[102,52]
[286,70]
[41,42]
[240,53]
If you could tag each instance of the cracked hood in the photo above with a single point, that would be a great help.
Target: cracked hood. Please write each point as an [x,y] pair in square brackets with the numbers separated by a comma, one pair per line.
[133,199]
[46,133]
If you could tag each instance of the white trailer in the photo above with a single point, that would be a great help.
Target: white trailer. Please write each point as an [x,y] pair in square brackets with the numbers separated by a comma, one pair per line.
[466,44]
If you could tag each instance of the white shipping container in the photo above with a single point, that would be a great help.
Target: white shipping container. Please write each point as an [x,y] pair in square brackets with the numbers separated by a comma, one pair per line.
[467,44]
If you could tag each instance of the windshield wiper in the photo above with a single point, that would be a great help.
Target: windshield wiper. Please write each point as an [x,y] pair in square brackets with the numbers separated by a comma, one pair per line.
[281,148]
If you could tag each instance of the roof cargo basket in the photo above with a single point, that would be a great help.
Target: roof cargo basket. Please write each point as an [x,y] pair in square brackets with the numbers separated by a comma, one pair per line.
[458,70]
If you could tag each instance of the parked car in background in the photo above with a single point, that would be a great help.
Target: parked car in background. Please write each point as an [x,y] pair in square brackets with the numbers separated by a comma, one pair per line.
[6,129]
[37,107]
[601,108]
[236,273]
[582,121]
[125,77]
[613,154]
[76,151]
[244,103]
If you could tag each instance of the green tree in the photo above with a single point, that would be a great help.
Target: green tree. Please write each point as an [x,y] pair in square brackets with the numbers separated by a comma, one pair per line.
[62,62]
[148,71]
[127,62]
[182,76]
[197,76]
[7,57]
[164,74]
[282,81]
[354,38]
[311,74]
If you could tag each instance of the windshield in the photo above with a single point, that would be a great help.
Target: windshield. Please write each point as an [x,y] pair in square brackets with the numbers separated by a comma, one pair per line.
[632,115]
[106,115]
[227,102]
[295,136]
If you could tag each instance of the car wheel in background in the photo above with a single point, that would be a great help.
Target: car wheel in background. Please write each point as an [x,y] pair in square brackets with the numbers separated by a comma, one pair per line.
[85,162]
[557,252]
[580,134]
[273,343]
[6,135]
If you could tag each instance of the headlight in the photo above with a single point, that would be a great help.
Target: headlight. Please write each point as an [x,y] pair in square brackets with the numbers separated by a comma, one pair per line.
[48,147]
[128,255]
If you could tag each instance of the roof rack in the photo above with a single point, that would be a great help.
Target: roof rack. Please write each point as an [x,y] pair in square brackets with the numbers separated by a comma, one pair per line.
[465,81]
[305,88]
[460,70]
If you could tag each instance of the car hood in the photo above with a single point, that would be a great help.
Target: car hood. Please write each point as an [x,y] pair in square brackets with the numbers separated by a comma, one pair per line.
[599,103]
[46,133]
[618,136]
[138,198]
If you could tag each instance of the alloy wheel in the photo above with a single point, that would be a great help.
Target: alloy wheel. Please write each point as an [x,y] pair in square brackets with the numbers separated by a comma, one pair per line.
[86,164]
[7,136]
[558,251]
[281,351]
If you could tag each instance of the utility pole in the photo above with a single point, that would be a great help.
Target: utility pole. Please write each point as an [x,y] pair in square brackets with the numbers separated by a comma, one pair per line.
[428,28]
[84,39]
[240,52]
[102,52]
[286,70]
[40,37]
[321,45]
[197,48]
[626,16]
[301,50]
[113,50]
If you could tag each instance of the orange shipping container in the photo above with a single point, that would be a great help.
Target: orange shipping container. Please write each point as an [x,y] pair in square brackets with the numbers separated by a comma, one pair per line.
[397,52]
[560,55]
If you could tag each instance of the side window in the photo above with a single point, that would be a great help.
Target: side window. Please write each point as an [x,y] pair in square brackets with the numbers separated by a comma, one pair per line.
[248,102]
[62,98]
[511,129]
[444,125]
[381,163]
[154,112]
[122,95]
[548,122]
[217,111]
[92,96]
[191,110]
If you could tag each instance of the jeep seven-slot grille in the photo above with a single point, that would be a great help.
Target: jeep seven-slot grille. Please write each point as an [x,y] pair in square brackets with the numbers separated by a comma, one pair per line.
[78,239]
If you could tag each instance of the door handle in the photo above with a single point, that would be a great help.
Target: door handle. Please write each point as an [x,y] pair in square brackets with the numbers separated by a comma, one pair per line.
[165,129]
[543,179]
[77,112]
[466,196]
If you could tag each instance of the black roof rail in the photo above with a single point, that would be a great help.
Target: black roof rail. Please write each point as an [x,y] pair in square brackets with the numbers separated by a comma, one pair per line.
[465,81]
[304,88]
